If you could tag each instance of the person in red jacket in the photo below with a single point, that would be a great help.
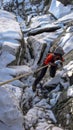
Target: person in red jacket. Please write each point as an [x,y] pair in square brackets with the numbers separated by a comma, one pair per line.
[54,60]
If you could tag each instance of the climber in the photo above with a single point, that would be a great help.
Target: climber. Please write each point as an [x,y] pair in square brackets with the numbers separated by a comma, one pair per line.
[55,60]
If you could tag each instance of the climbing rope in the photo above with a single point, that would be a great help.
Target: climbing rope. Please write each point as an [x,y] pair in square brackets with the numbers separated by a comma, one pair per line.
[23,75]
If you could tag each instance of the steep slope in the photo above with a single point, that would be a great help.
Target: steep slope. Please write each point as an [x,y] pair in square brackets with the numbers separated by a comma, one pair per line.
[23,46]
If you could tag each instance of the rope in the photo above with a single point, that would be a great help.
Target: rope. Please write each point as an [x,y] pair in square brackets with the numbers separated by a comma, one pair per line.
[23,75]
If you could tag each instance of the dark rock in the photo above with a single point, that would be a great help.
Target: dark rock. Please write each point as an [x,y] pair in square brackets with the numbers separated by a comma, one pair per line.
[64,110]
[66,2]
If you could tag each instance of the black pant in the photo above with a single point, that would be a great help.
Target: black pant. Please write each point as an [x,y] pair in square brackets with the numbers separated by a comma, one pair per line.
[52,71]
[41,75]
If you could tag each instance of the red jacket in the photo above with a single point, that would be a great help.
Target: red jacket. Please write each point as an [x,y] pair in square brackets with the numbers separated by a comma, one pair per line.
[51,58]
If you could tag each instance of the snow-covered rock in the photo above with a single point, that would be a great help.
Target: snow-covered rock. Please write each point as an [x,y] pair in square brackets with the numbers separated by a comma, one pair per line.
[56,7]
[10,37]
[10,116]
[63,108]
[41,20]
[37,114]
[66,43]
[37,106]
[65,19]
[39,45]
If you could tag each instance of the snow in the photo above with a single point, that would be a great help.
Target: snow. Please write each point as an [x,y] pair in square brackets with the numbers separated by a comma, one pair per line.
[69,45]
[55,97]
[70,92]
[69,66]
[8,73]
[15,92]
[56,8]
[36,107]
[20,1]
[5,14]
[5,59]
[7,1]
[66,18]
[66,42]
[10,36]
[10,116]
[39,21]
[43,103]
[53,81]
[36,114]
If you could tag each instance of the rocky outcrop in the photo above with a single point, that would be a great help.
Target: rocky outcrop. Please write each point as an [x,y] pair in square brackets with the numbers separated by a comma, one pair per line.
[53,96]
[44,101]
[64,108]
[10,116]
[24,7]
[10,43]
[10,39]
[56,7]
[66,2]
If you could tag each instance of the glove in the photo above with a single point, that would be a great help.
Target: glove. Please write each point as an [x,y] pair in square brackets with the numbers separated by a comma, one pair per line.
[59,64]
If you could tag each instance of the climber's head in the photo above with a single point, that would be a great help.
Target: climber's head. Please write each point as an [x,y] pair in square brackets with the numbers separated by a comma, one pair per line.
[59,51]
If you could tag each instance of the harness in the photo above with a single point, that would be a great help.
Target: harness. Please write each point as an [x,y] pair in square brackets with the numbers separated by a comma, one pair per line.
[56,57]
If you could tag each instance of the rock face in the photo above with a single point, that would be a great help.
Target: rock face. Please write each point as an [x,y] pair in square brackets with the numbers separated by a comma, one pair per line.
[23,54]
[66,2]
[10,117]
[10,31]
[33,7]
[64,108]
[57,6]
[44,101]
[9,43]
[10,36]
[24,7]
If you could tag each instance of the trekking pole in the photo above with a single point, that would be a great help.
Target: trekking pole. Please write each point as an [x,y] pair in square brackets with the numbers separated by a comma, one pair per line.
[23,75]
